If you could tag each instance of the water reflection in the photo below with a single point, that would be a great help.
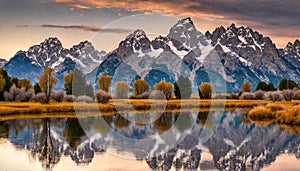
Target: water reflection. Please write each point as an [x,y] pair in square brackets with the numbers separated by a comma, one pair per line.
[231,141]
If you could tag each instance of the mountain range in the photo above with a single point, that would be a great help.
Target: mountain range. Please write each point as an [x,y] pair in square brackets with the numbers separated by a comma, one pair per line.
[242,53]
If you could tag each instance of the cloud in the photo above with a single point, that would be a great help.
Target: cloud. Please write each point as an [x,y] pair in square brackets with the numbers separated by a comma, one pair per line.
[271,15]
[81,27]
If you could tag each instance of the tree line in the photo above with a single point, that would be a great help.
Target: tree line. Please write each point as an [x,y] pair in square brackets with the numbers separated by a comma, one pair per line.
[76,88]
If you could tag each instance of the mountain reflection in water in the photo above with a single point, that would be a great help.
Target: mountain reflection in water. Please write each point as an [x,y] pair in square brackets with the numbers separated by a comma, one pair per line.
[217,140]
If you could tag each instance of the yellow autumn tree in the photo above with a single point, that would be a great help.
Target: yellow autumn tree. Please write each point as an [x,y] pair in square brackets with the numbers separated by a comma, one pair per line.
[104,82]
[47,81]
[68,79]
[24,83]
[140,86]
[165,87]
[206,90]
[2,83]
[246,87]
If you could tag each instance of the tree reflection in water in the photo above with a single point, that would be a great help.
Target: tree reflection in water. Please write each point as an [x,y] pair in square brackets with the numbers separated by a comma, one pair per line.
[121,121]
[73,132]
[235,144]
[47,151]
[164,122]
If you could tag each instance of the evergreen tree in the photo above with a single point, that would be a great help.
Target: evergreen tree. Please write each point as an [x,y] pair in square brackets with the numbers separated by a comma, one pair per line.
[287,84]
[80,86]
[183,88]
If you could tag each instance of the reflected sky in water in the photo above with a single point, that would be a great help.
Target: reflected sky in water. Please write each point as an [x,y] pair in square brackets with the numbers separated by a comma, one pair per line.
[207,141]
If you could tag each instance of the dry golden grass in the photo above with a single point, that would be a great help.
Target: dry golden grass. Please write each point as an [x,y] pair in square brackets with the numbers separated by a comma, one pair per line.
[261,113]
[67,109]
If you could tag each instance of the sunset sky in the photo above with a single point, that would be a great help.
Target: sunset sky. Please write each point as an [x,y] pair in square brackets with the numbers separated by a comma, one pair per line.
[25,23]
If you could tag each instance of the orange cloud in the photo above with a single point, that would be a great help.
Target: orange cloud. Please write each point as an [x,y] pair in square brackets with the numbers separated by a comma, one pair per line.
[166,7]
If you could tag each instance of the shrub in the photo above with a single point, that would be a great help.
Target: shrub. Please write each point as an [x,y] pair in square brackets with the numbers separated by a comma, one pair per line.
[69,98]
[165,88]
[233,96]
[246,87]
[25,96]
[41,97]
[259,95]
[275,107]
[183,88]
[157,94]
[140,86]
[261,113]
[11,95]
[296,95]
[84,98]
[274,96]
[57,96]
[206,90]
[247,96]
[121,90]
[102,96]
[104,82]
[287,95]
[144,95]
[219,95]
[289,117]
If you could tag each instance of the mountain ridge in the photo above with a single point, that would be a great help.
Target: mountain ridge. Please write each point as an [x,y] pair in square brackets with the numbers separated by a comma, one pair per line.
[246,55]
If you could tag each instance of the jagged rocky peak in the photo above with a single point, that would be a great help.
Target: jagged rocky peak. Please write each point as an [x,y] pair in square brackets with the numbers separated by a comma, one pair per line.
[136,41]
[184,31]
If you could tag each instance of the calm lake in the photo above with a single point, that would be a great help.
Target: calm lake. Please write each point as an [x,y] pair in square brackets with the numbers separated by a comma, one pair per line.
[216,140]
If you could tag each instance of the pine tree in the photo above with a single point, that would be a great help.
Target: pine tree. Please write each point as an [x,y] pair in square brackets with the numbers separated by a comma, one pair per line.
[183,88]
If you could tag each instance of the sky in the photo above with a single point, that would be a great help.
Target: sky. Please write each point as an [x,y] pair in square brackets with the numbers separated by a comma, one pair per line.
[106,22]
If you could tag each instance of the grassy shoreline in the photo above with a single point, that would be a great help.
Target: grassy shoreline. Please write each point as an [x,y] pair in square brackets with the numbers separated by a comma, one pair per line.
[15,110]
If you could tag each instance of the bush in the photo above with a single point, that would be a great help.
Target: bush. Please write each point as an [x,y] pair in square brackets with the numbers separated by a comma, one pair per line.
[121,90]
[289,117]
[102,96]
[84,98]
[259,95]
[261,113]
[69,98]
[158,95]
[274,96]
[25,96]
[287,95]
[206,90]
[183,88]
[41,97]
[144,95]
[219,95]
[104,82]
[296,95]
[12,94]
[165,88]
[233,96]
[247,96]
[57,96]
[140,86]
[275,107]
